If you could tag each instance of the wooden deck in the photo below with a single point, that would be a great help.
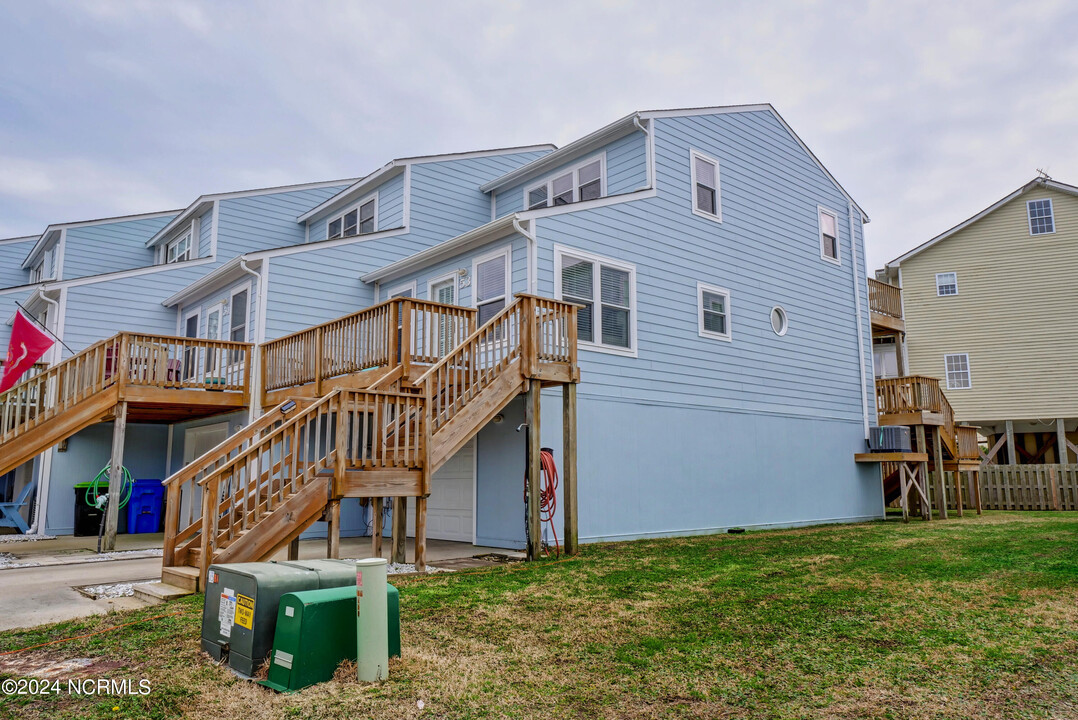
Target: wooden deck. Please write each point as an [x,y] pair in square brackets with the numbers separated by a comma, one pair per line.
[885,305]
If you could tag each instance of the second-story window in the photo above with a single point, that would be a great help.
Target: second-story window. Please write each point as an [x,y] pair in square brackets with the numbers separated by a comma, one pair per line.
[179,249]
[705,186]
[359,220]
[45,268]
[605,289]
[829,235]
[1041,220]
[582,183]
[957,369]
[946,284]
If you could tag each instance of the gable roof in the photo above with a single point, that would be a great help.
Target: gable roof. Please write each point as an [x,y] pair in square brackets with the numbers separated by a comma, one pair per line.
[626,124]
[43,238]
[1034,183]
[396,166]
[205,202]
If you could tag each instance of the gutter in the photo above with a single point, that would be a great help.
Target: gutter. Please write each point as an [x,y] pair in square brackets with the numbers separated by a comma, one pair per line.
[254,373]
[533,252]
[860,327]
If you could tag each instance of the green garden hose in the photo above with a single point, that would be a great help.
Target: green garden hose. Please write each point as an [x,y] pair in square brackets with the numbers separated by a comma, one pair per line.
[127,485]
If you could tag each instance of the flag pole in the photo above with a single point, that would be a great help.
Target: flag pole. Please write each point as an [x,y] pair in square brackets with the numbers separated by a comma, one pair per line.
[33,319]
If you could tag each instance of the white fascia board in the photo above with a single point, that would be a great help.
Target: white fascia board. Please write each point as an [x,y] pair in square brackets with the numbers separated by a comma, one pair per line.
[89,223]
[483,234]
[323,244]
[1036,182]
[577,148]
[449,157]
[14,240]
[189,211]
[358,187]
[213,281]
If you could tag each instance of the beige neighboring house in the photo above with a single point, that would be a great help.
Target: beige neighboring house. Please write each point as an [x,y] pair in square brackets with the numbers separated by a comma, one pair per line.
[989,309]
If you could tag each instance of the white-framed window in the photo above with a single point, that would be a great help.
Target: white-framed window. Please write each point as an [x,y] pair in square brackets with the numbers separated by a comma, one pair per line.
[407,290]
[45,269]
[829,249]
[946,284]
[780,322]
[713,311]
[239,313]
[706,200]
[360,219]
[1041,219]
[957,368]
[443,290]
[179,249]
[214,330]
[585,181]
[606,291]
[490,283]
[191,323]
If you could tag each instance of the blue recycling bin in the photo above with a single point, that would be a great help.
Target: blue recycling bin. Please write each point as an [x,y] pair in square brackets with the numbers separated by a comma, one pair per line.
[144,509]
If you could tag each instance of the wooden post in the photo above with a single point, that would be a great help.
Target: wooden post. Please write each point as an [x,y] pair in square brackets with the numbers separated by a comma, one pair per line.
[376,527]
[209,528]
[569,496]
[421,533]
[922,445]
[116,477]
[1062,456]
[957,489]
[400,529]
[318,361]
[172,524]
[1053,479]
[293,549]
[937,458]
[1012,453]
[406,338]
[533,465]
[899,360]
[904,490]
[333,529]
[527,336]
[976,475]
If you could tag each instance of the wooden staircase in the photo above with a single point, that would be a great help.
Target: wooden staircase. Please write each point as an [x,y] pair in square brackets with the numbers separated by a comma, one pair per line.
[259,490]
[154,374]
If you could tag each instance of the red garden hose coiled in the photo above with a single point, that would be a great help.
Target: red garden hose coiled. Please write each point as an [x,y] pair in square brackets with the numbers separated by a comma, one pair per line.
[548,493]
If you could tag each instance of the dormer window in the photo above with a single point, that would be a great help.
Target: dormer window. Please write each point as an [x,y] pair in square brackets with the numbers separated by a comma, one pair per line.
[45,268]
[179,249]
[358,220]
[581,183]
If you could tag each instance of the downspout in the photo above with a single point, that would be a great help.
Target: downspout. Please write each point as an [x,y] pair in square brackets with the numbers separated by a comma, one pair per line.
[255,410]
[533,253]
[649,164]
[860,327]
[41,502]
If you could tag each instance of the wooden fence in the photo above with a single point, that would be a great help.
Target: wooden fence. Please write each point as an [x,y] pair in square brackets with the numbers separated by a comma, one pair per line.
[1029,487]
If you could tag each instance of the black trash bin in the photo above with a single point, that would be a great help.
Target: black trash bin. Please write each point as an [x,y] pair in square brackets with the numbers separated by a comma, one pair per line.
[88,518]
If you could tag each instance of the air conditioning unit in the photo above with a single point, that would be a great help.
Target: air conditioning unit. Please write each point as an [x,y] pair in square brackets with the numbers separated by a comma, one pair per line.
[889,438]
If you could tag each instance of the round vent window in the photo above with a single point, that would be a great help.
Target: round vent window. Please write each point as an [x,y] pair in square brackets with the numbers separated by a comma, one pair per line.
[778,320]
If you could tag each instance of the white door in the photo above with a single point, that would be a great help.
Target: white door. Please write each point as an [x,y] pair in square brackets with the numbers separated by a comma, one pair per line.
[452,496]
[197,442]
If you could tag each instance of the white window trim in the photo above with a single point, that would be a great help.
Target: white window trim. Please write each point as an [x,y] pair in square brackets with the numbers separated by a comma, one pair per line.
[574,169]
[217,307]
[394,291]
[248,313]
[506,251]
[938,276]
[717,217]
[190,235]
[560,252]
[701,288]
[355,206]
[1029,216]
[448,277]
[947,376]
[785,320]
[837,260]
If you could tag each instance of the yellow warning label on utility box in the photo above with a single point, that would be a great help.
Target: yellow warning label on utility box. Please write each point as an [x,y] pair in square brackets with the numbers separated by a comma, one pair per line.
[245,611]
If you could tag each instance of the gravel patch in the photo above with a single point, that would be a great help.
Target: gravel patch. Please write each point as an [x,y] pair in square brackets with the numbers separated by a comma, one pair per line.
[13,538]
[403,568]
[7,560]
[114,590]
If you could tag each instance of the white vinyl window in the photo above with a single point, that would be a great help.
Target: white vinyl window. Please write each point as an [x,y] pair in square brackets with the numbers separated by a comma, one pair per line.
[586,181]
[957,367]
[237,321]
[45,269]
[829,235]
[1041,219]
[706,200]
[946,284]
[357,220]
[606,291]
[713,311]
[444,291]
[490,280]
[179,249]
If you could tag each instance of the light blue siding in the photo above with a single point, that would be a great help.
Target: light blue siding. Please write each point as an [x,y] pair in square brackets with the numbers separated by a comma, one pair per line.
[264,222]
[223,297]
[12,255]
[390,208]
[626,171]
[518,264]
[109,247]
[205,234]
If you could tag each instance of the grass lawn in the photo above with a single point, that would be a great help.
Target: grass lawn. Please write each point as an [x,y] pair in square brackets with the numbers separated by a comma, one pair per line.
[969,618]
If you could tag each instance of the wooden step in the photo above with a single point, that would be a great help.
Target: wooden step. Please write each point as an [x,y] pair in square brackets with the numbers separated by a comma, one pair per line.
[158,593]
[181,576]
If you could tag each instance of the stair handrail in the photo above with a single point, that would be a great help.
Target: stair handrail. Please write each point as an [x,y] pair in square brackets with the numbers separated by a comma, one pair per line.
[468,340]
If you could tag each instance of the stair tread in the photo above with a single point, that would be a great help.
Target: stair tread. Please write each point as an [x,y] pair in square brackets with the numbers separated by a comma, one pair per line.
[161,591]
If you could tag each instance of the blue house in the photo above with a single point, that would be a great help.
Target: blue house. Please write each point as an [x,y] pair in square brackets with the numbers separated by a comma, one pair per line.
[418,334]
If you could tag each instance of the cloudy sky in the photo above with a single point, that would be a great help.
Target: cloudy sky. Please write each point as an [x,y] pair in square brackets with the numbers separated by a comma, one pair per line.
[925,111]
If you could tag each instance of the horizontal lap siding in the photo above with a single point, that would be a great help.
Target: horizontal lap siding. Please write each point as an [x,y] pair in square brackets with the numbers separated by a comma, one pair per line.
[390,208]
[105,248]
[1016,296]
[263,222]
[205,234]
[207,302]
[518,263]
[766,252]
[12,255]
[626,170]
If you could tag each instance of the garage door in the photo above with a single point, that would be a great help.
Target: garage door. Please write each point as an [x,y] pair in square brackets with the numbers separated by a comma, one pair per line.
[449,507]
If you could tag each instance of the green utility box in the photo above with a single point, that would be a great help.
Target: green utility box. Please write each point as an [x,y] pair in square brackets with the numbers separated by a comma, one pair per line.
[316,630]
[240,611]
